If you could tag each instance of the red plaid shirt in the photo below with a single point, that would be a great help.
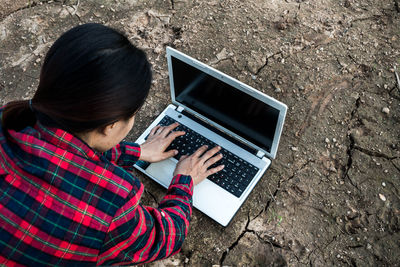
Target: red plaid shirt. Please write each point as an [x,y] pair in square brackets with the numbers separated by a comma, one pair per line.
[62,203]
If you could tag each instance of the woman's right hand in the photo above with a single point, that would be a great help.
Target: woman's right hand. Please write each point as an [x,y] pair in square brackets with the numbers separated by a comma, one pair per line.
[197,164]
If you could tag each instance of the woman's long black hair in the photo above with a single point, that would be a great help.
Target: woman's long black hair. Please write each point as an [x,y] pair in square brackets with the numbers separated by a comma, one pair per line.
[92,76]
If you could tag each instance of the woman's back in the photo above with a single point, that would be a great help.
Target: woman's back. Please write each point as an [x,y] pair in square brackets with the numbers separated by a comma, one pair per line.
[62,202]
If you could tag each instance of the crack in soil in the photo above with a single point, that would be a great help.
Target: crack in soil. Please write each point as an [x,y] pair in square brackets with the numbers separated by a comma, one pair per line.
[266,62]
[397,167]
[234,244]
[246,230]
[351,147]
[392,92]
[349,164]
[29,5]
[374,153]
[397,6]
[376,17]
[269,240]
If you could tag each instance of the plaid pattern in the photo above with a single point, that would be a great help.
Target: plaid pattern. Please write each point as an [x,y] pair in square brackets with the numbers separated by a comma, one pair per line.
[62,203]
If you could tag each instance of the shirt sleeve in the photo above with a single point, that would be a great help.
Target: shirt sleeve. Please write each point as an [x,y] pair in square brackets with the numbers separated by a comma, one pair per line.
[125,154]
[139,234]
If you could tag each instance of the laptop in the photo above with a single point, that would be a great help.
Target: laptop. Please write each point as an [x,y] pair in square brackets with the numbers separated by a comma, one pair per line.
[216,109]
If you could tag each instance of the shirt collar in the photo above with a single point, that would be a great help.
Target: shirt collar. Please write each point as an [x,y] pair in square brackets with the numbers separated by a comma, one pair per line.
[65,140]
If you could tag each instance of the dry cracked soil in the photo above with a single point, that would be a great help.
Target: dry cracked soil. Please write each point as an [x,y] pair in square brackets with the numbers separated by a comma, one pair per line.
[331,197]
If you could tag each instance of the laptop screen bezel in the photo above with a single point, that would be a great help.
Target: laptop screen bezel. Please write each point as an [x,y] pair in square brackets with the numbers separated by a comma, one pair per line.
[281,107]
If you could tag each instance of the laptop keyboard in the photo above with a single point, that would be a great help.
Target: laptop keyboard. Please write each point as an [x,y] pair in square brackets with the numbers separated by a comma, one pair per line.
[236,175]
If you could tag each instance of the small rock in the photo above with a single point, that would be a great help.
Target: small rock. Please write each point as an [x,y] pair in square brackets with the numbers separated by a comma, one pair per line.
[222,55]
[158,50]
[186,260]
[382,197]
[294,148]
[332,169]
[334,140]
[278,90]
[383,184]
[369,246]
[386,110]
[327,140]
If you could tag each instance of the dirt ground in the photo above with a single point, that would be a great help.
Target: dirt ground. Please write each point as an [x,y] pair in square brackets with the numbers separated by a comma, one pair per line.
[332,195]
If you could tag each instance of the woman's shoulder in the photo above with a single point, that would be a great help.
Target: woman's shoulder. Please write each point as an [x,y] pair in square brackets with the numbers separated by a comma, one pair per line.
[57,158]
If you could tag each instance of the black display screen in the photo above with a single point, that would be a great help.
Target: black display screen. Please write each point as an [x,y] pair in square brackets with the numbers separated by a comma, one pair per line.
[235,110]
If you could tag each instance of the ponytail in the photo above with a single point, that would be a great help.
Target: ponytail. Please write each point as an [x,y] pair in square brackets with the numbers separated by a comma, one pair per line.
[17,115]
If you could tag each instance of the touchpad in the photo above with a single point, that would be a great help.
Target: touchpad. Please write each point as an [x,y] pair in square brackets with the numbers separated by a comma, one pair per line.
[162,171]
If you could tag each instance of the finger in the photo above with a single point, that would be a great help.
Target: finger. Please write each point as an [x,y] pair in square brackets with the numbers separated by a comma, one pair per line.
[170,153]
[154,130]
[183,157]
[213,160]
[214,170]
[200,151]
[173,135]
[210,153]
[169,128]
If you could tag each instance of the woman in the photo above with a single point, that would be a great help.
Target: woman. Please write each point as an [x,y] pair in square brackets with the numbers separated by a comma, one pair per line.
[66,194]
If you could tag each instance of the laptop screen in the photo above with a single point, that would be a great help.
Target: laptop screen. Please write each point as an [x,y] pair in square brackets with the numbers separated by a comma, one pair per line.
[224,104]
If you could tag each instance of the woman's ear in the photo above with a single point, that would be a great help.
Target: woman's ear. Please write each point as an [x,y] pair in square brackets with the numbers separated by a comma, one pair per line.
[108,129]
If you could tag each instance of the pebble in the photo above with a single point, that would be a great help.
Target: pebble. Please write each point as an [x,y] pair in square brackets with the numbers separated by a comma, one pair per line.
[332,169]
[386,110]
[383,184]
[382,197]
[294,148]
[327,140]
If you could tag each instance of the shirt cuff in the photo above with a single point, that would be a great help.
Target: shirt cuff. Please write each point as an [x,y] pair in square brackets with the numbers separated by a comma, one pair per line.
[180,179]
[136,151]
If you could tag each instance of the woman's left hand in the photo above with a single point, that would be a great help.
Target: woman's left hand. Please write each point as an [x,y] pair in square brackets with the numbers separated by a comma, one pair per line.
[160,137]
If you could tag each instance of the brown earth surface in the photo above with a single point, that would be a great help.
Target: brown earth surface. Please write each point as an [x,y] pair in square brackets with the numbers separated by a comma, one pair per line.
[332,196]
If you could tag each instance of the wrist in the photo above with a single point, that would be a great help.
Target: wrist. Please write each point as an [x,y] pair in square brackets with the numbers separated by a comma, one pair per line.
[142,152]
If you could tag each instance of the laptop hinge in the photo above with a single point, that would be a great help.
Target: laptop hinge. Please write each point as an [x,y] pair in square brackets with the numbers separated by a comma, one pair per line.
[180,109]
[260,154]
